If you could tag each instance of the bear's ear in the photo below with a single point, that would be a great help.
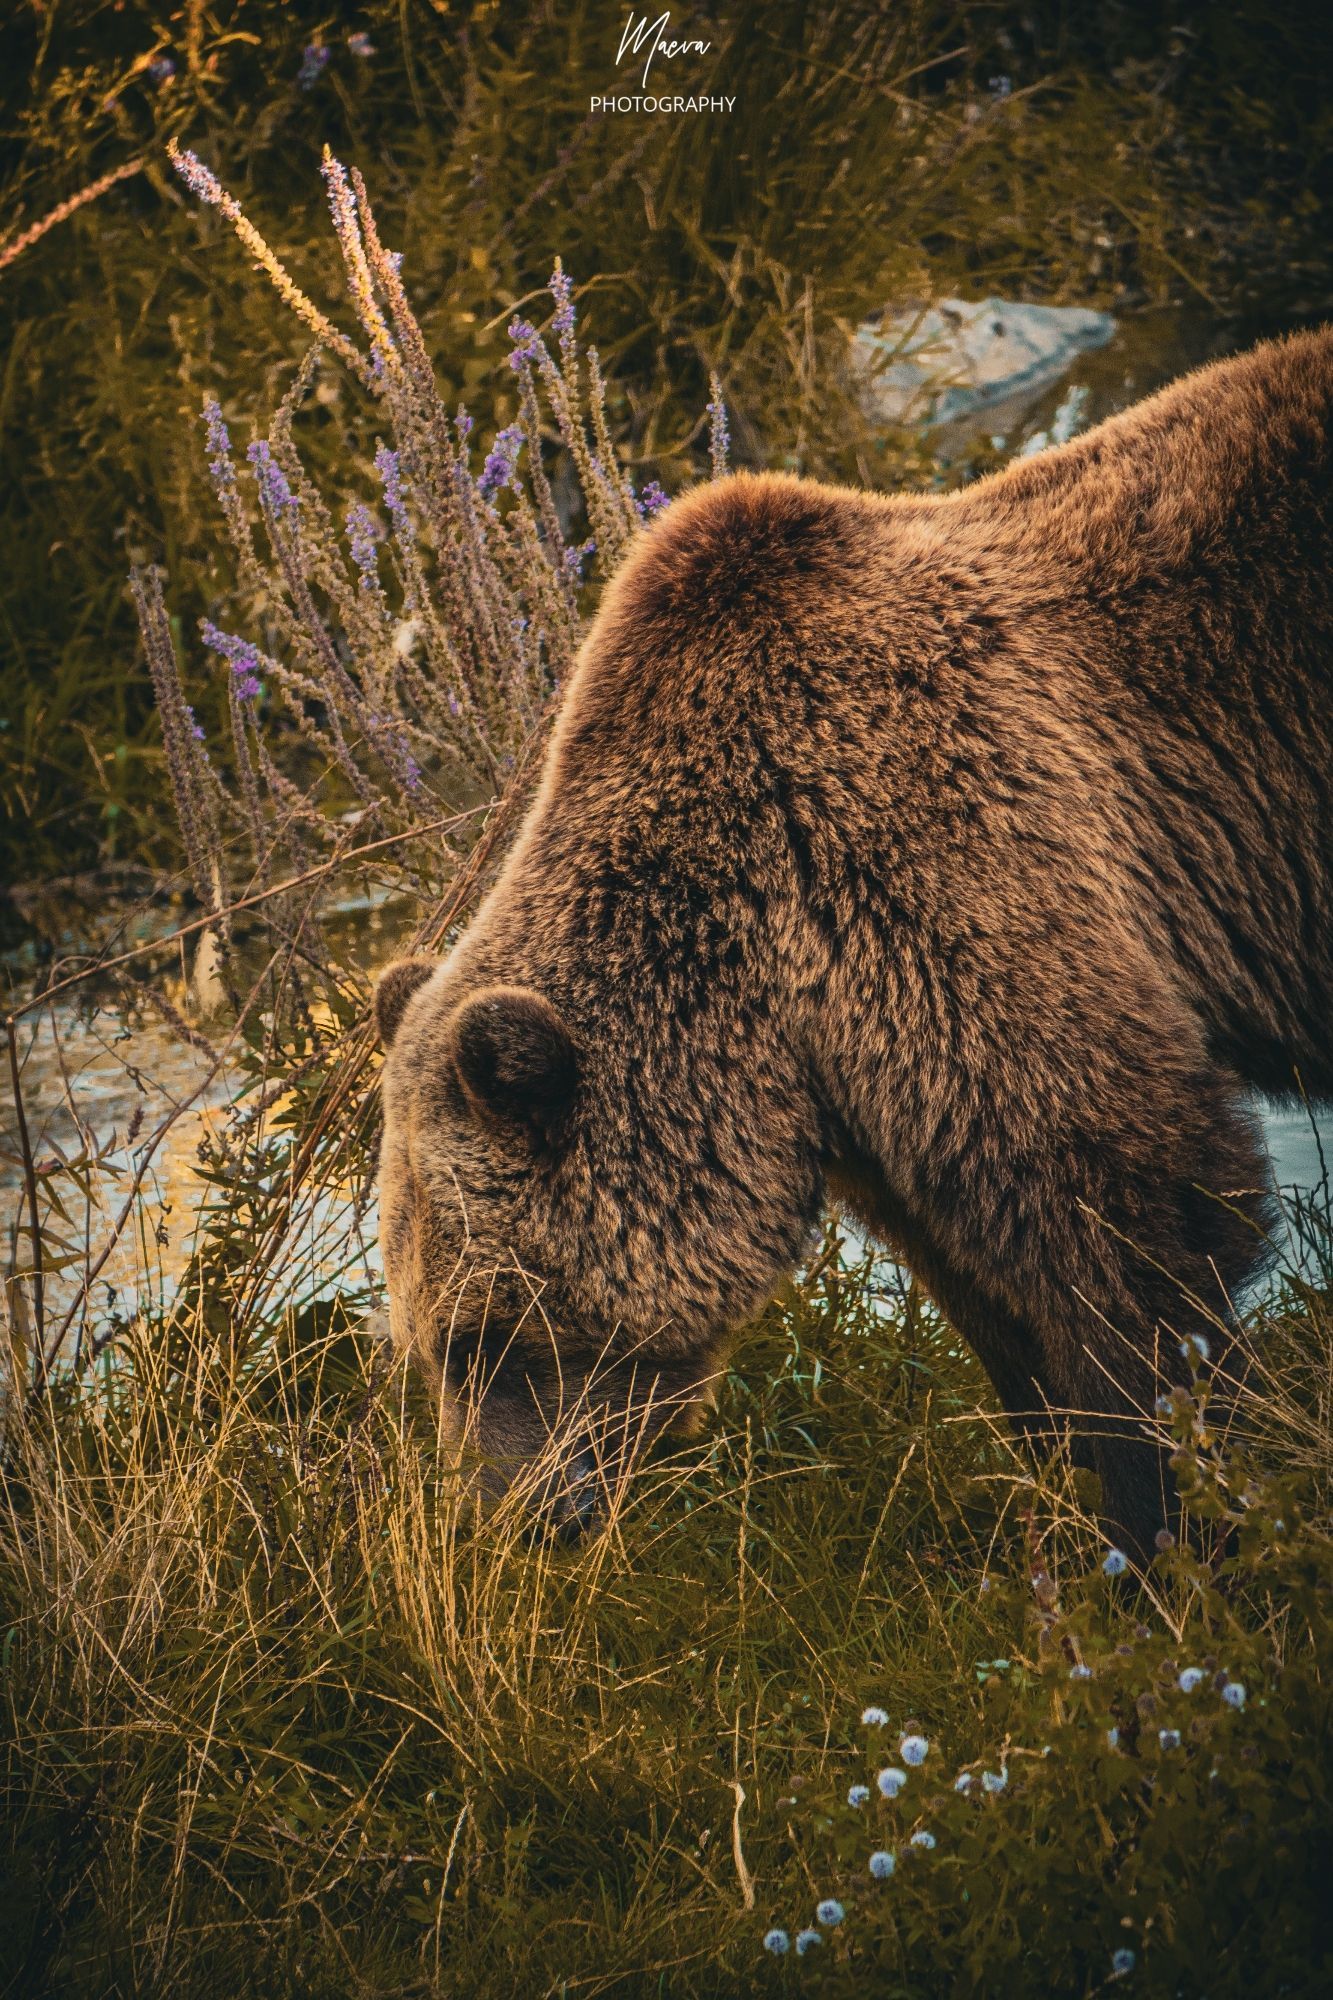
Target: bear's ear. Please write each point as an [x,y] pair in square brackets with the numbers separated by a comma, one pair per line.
[397,983]
[515,1058]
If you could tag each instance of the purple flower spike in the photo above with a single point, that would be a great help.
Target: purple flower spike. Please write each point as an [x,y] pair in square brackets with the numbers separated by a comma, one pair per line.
[161,69]
[391,478]
[501,461]
[463,422]
[652,500]
[198,178]
[242,657]
[219,444]
[363,537]
[274,492]
[526,343]
[313,64]
[562,291]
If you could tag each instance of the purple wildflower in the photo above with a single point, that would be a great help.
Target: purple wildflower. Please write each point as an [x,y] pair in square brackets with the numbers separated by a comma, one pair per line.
[562,291]
[652,500]
[161,69]
[242,657]
[363,537]
[198,178]
[361,45]
[196,728]
[391,478]
[575,558]
[501,461]
[274,492]
[219,444]
[463,422]
[314,62]
[526,343]
[719,437]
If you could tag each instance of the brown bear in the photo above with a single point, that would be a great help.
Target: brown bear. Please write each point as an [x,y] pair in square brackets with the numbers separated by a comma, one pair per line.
[963,859]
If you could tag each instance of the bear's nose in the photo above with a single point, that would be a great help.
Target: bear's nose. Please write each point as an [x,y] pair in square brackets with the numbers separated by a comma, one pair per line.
[574,1506]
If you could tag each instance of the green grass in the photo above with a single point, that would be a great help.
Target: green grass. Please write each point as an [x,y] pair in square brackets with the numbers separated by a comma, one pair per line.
[281,1717]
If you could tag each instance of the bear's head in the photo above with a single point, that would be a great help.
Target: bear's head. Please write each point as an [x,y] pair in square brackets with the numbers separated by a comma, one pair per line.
[604,1134]
[574,1215]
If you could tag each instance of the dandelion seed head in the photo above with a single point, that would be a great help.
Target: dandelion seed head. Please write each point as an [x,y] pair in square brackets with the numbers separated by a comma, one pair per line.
[874,1718]
[882,1863]
[891,1781]
[858,1795]
[913,1750]
[1191,1678]
[1115,1563]
[1233,1694]
[1122,1962]
[777,1942]
[830,1912]
[922,1839]
[806,1941]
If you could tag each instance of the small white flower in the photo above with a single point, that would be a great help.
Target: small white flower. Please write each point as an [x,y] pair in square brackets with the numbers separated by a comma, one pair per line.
[874,1718]
[882,1864]
[1191,1678]
[829,1913]
[923,1839]
[1233,1694]
[913,1750]
[994,1781]
[858,1795]
[776,1942]
[964,1781]
[1116,1563]
[806,1941]
[891,1781]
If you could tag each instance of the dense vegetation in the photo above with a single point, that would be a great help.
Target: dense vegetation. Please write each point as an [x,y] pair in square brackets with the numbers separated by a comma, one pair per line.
[1118,154]
[280,1715]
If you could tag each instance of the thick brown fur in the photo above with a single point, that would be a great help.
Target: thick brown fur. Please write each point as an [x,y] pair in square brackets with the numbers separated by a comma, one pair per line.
[960,859]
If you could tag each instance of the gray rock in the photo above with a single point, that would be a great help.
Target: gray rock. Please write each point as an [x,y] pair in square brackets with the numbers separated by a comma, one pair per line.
[951,360]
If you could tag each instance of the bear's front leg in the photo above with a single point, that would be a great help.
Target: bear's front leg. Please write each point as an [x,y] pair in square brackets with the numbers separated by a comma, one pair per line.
[1120,1241]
